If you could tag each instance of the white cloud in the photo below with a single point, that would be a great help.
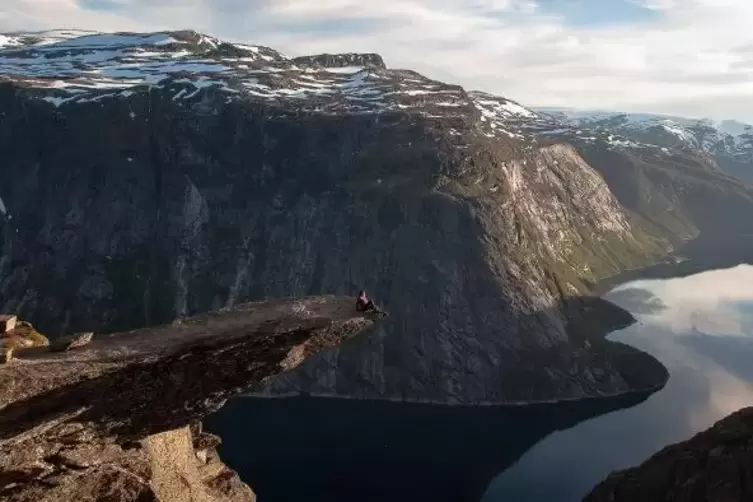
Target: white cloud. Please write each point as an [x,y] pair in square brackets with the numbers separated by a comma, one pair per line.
[702,334]
[689,56]
[658,4]
[708,302]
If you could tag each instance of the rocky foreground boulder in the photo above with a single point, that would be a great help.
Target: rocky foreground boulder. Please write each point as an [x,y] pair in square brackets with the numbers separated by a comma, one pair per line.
[117,419]
[715,465]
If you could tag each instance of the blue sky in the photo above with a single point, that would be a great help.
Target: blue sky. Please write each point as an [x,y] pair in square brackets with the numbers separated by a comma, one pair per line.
[683,57]
[594,13]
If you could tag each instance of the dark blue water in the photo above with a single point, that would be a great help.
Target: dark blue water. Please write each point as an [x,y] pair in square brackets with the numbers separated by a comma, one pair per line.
[319,449]
[701,328]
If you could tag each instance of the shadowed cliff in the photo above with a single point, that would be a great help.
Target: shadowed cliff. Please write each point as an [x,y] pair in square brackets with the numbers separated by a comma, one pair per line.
[372,450]
[714,465]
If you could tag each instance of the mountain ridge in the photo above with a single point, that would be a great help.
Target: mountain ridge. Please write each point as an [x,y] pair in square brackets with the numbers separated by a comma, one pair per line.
[72,66]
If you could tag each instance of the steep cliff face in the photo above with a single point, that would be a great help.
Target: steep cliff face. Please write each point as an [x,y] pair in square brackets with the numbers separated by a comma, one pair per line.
[673,175]
[481,309]
[682,196]
[274,178]
[713,465]
[118,419]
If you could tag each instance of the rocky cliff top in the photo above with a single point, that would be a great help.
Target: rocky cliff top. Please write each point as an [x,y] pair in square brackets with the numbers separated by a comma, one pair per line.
[65,67]
[714,465]
[342,60]
[112,417]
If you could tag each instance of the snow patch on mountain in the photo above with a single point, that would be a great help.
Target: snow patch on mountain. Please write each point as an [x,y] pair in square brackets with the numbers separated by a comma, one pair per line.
[726,141]
[682,134]
[69,67]
[496,108]
[345,70]
[7,41]
[40,38]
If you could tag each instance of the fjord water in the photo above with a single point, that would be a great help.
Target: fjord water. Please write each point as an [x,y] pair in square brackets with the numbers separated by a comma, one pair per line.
[323,449]
[701,328]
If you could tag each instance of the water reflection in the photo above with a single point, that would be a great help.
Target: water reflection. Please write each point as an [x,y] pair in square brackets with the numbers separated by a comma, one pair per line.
[701,328]
[319,449]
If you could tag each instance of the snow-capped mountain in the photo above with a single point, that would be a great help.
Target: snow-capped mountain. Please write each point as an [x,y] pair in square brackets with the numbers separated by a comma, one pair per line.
[71,67]
[676,131]
[68,66]
[729,143]
[159,174]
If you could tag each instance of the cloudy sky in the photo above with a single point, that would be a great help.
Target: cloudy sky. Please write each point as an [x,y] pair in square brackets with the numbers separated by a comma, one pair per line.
[685,57]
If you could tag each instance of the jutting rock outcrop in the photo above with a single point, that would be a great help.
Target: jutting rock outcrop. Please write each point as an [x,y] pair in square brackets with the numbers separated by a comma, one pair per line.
[117,419]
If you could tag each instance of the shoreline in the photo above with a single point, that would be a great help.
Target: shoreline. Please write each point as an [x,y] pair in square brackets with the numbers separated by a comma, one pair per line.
[480,404]
[674,266]
[388,414]
[678,265]
[603,338]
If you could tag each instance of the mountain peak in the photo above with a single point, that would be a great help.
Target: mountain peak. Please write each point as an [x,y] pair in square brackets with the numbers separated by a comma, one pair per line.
[343,60]
[65,67]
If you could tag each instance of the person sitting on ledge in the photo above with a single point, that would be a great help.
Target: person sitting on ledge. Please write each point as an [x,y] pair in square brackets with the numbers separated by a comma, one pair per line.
[363,304]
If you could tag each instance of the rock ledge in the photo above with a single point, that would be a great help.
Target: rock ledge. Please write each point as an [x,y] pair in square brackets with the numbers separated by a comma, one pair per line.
[714,465]
[118,419]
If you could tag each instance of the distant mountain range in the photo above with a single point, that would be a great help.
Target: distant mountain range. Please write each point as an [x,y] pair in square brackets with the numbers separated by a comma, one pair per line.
[728,142]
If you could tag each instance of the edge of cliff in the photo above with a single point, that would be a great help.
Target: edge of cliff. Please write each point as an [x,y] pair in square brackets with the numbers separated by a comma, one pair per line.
[119,418]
